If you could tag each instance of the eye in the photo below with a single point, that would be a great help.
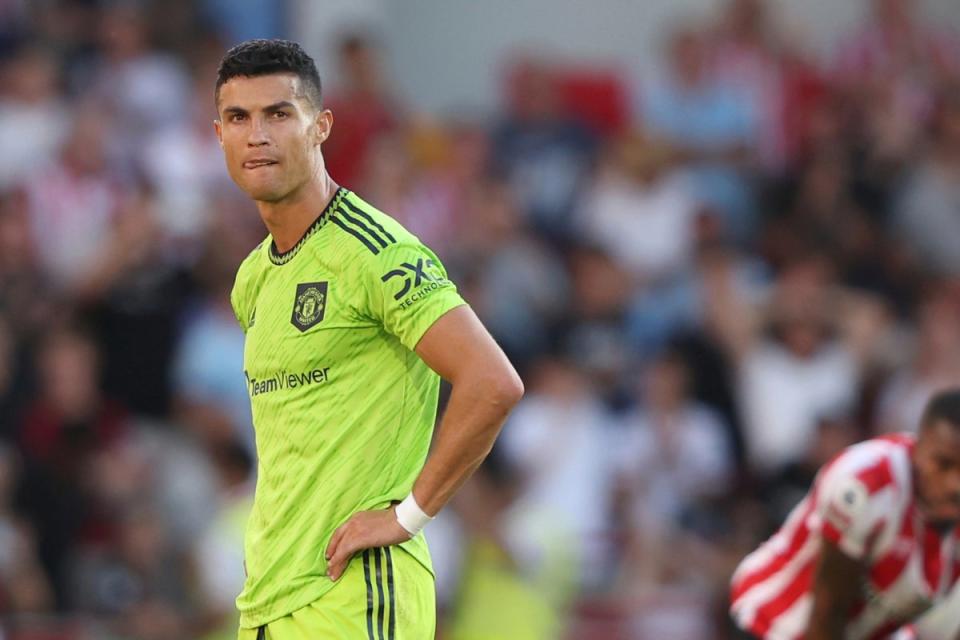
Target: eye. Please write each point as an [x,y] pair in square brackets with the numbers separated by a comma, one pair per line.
[279,115]
[237,117]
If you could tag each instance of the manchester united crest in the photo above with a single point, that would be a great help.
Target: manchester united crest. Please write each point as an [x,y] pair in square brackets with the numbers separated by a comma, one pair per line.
[309,304]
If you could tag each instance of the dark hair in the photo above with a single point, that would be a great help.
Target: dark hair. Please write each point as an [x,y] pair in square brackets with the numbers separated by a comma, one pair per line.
[264,57]
[943,406]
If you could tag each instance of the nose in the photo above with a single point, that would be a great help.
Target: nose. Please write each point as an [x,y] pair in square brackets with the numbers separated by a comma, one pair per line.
[953,484]
[258,134]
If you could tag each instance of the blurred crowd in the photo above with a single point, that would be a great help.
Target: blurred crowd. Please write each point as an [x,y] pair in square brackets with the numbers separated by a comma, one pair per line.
[712,276]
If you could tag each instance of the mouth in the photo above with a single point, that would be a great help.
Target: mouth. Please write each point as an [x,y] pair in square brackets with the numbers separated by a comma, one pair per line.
[257,163]
[949,508]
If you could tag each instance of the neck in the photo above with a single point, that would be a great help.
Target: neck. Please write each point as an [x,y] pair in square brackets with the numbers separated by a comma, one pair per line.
[288,219]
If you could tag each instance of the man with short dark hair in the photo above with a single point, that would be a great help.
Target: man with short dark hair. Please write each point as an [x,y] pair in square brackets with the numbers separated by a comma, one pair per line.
[871,547]
[349,319]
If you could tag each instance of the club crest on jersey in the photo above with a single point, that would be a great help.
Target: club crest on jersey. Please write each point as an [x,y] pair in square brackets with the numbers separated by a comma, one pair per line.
[309,304]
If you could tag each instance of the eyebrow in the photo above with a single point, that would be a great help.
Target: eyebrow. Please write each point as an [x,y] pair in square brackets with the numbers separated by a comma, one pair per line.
[277,106]
[270,108]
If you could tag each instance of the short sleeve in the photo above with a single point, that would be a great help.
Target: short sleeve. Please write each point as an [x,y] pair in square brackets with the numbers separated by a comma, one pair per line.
[235,303]
[846,514]
[408,290]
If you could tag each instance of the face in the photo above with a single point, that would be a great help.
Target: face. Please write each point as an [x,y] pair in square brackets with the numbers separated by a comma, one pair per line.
[666,383]
[68,373]
[686,50]
[803,336]
[271,135]
[936,458]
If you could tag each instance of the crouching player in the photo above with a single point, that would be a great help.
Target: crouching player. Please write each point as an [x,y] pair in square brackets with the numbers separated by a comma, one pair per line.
[870,548]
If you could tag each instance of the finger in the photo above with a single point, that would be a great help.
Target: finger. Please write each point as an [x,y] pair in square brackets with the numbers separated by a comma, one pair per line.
[335,541]
[338,563]
[349,544]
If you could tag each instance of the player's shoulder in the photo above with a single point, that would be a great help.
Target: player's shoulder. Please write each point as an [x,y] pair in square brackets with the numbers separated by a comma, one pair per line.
[245,285]
[368,237]
[874,465]
[383,223]
[254,258]
[366,231]
[252,264]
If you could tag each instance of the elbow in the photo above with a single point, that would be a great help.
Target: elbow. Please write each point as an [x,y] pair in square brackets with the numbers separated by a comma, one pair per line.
[491,381]
[507,389]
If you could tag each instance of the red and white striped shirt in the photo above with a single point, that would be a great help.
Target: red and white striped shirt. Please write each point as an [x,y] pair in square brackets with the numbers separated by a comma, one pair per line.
[862,501]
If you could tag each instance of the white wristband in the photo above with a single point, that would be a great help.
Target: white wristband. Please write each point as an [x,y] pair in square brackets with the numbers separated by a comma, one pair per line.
[411,517]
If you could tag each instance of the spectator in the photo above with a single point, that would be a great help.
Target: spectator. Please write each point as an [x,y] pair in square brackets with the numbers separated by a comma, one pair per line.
[364,107]
[712,126]
[211,395]
[515,573]
[673,457]
[934,364]
[515,282]
[218,553]
[134,290]
[144,89]
[425,176]
[927,210]
[674,451]
[61,433]
[805,368]
[898,58]
[25,295]
[247,18]
[13,386]
[593,331]
[184,163]
[543,154]
[141,585]
[642,211]
[558,439]
[72,203]
[24,587]
[748,52]
[34,118]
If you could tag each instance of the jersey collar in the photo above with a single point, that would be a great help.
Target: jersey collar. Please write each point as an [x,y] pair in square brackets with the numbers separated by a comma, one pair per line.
[281,258]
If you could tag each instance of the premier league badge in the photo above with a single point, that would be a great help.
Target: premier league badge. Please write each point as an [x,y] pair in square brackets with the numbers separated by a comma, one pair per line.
[309,304]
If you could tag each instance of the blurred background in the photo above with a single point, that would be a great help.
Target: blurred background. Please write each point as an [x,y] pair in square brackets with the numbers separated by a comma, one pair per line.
[719,238]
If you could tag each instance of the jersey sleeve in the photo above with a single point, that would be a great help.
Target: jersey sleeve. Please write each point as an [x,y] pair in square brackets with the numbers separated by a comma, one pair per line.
[846,513]
[236,304]
[408,290]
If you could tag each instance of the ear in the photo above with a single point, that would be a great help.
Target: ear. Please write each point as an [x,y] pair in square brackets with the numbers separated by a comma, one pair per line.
[322,126]
[218,127]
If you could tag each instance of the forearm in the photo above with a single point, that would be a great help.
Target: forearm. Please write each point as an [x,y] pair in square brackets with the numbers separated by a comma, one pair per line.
[475,413]
[835,587]
[826,624]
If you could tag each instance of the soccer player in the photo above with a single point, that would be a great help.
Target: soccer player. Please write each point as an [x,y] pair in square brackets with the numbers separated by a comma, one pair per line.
[349,319]
[872,545]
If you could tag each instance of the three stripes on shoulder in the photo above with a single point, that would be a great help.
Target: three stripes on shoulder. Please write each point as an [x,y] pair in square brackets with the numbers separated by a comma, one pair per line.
[362,226]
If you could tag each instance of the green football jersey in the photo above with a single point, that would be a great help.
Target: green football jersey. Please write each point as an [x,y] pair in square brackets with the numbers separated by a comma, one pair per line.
[343,409]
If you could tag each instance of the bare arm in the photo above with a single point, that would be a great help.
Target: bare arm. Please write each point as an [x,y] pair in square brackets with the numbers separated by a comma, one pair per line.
[836,585]
[485,388]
